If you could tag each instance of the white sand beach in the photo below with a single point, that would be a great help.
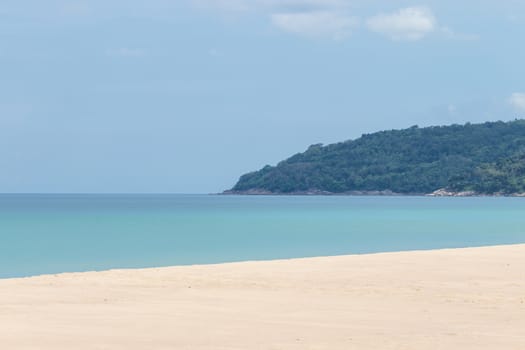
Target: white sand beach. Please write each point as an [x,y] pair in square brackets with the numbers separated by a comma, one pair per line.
[444,299]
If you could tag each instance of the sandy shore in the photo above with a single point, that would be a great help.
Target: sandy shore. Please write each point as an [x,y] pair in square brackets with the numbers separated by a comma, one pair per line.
[444,299]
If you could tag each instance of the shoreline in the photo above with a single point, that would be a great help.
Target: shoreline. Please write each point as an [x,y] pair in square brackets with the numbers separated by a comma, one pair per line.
[454,298]
[251,261]
[254,261]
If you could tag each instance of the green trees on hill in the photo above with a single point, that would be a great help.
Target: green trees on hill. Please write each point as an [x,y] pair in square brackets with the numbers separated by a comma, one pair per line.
[486,158]
[506,176]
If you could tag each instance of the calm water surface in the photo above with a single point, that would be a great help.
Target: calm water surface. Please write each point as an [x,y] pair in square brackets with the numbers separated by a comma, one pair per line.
[57,233]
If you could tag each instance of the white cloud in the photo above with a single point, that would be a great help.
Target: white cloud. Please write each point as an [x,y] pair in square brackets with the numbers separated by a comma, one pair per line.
[412,23]
[125,52]
[336,19]
[316,24]
[517,100]
[310,18]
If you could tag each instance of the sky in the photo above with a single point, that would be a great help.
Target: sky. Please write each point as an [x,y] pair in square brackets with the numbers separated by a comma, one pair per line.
[158,96]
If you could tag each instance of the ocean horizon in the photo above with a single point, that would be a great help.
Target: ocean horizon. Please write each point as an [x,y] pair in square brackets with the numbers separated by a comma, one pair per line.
[54,233]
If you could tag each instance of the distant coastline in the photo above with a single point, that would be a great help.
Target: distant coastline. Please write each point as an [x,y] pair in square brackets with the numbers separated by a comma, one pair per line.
[454,161]
[438,193]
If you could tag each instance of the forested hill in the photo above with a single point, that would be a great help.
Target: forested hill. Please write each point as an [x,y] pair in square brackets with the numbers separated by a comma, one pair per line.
[484,158]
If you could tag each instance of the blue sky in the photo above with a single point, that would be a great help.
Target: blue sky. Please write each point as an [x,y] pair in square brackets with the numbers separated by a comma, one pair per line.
[184,96]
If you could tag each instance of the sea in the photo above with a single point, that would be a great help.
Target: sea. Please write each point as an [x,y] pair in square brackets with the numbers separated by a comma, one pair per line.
[48,234]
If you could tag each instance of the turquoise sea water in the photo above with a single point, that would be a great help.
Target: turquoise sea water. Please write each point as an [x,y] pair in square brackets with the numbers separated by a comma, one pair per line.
[57,233]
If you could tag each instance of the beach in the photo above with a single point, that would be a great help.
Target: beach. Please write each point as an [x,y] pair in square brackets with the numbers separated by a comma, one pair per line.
[472,298]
